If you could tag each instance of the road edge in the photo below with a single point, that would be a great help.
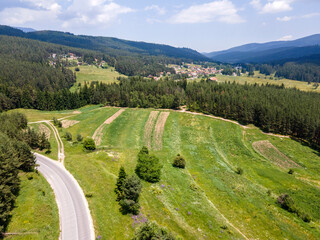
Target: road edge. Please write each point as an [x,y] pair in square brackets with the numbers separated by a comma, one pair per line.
[59,164]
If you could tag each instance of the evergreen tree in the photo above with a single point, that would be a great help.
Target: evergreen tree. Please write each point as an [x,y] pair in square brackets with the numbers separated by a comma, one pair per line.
[119,185]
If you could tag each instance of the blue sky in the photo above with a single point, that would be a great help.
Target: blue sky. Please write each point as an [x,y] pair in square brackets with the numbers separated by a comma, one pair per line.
[203,25]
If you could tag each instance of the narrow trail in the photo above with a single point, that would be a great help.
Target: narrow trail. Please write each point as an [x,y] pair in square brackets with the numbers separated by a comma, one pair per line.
[59,142]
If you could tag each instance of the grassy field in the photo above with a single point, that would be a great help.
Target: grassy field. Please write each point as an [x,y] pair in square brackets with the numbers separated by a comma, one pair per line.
[262,79]
[93,73]
[36,214]
[207,200]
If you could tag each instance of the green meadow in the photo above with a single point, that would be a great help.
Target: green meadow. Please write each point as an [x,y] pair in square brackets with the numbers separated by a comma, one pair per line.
[207,199]
[93,73]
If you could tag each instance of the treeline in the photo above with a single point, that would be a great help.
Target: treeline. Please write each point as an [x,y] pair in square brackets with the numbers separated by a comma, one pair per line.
[16,140]
[306,72]
[272,108]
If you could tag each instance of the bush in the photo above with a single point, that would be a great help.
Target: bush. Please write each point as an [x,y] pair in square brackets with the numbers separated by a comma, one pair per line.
[239,171]
[68,136]
[286,202]
[131,190]
[150,230]
[89,144]
[148,167]
[77,69]
[79,137]
[56,122]
[290,171]
[179,162]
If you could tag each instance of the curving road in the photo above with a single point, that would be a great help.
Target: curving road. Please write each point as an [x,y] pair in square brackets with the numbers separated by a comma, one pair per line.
[75,219]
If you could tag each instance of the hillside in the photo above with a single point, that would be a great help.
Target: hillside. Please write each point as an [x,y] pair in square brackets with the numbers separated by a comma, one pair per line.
[207,199]
[269,52]
[112,46]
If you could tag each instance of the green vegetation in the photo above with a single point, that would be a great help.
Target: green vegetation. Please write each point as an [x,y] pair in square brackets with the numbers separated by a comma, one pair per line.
[129,200]
[150,230]
[194,198]
[88,74]
[89,144]
[263,79]
[35,215]
[179,162]
[119,185]
[148,166]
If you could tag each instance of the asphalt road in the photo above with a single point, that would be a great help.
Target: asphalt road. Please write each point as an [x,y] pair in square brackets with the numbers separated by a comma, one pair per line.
[74,214]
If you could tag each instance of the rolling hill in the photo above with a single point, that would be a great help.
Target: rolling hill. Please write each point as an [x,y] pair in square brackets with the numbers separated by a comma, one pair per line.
[109,45]
[270,51]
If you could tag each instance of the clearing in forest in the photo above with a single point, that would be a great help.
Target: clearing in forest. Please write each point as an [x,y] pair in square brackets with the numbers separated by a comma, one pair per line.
[97,136]
[270,152]
[158,131]
[149,127]
[68,123]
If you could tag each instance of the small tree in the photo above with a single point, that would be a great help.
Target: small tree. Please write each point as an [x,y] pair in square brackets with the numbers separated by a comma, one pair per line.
[239,171]
[79,137]
[148,167]
[119,185]
[89,144]
[286,202]
[68,136]
[179,162]
[150,230]
[130,198]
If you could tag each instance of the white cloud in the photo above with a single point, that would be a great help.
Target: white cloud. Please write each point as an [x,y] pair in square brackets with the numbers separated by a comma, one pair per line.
[222,11]
[284,19]
[159,10]
[277,6]
[256,4]
[49,14]
[286,38]
[306,16]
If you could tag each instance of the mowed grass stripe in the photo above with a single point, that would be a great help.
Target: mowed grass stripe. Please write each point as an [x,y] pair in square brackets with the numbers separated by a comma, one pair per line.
[97,136]
[158,131]
[149,127]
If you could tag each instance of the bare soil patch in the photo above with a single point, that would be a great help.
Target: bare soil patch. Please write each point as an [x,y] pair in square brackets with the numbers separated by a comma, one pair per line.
[44,129]
[76,112]
[97,136]
[158,131]
[68,123]
[149,127]
[273,154]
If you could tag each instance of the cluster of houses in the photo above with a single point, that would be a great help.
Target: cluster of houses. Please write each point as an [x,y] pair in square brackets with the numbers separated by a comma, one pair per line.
[73,57]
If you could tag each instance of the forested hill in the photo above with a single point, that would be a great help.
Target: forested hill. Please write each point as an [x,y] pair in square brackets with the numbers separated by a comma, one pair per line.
[270,52]
[112,46]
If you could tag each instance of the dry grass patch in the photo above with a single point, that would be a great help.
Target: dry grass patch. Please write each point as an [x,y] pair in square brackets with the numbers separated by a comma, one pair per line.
[149,127]
[97,136]
[68,123]
[44,129]
[266,149]
[158,131]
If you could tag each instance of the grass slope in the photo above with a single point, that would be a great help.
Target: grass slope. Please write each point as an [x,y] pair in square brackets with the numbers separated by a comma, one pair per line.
[36,214]
[195,202]
[93,73]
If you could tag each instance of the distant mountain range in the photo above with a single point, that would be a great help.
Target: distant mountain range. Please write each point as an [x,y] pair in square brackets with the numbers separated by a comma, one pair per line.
[305,49]
[109,45]
[26,29]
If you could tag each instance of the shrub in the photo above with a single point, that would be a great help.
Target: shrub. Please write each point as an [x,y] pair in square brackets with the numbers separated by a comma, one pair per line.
[150,230]
[305,217]
[291,171]
[77,69]
[79,137]
[148,167]
[56,122]
[286,202]
[239,171]
[119,185]
[131,190]
[89,144]
[68,136]
[179,162]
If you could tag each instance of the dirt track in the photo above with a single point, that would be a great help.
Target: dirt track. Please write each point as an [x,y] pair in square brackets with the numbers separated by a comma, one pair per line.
[158,131]
[149,127]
